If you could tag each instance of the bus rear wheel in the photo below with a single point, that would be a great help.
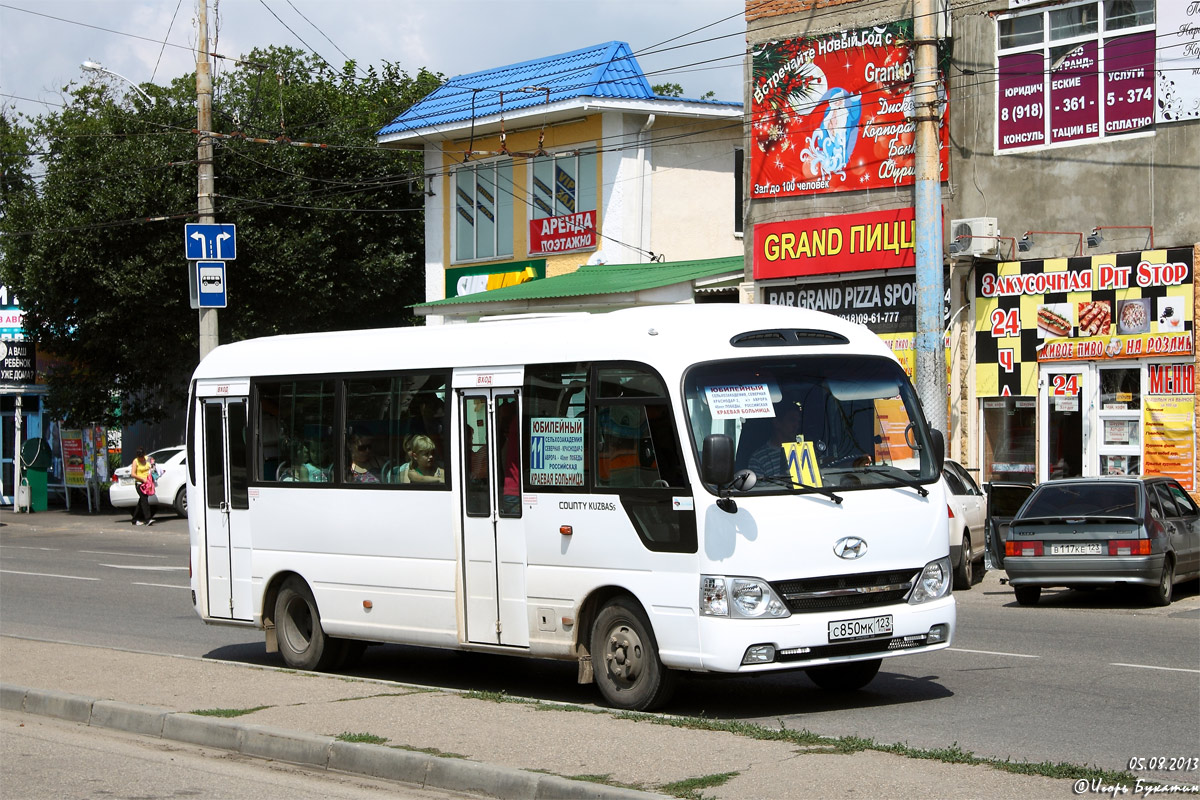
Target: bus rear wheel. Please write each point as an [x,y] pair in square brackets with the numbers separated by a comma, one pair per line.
[625,659]
[302,641]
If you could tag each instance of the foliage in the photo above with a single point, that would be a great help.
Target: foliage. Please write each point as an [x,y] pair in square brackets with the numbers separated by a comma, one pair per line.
[328,237]
[675,90]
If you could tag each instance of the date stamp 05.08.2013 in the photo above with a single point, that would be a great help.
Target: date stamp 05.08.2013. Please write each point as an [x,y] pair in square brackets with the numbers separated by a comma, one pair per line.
[1187,769]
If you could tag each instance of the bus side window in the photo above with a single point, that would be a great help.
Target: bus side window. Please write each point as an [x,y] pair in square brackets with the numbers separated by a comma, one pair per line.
[636,443]
[555,393]
[295,430]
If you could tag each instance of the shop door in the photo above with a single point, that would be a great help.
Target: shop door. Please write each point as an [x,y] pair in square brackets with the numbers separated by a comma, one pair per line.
[493,533]
[226,508]
[1066,405]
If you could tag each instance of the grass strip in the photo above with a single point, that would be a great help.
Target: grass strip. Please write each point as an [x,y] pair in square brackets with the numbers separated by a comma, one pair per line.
[226,713]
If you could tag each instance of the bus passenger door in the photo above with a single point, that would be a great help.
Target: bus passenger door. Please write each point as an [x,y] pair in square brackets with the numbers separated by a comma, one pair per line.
[226,508]
[493,534]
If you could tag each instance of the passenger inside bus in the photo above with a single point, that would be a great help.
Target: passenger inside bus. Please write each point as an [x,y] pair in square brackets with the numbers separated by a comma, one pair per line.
[360,456]
[421,466]
[301,467]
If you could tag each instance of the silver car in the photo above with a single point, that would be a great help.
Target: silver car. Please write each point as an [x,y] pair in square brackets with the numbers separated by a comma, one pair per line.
[1086,532]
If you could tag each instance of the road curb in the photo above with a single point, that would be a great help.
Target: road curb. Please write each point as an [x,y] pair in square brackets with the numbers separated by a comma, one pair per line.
[324,752]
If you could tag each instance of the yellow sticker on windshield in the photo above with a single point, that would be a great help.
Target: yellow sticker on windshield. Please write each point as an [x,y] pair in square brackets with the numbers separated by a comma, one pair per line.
[802,463]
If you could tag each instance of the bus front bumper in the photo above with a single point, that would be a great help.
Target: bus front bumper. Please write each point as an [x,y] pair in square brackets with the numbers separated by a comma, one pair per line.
[804,640]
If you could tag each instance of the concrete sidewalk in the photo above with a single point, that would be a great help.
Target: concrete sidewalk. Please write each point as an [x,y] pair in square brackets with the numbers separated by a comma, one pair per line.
[447,740]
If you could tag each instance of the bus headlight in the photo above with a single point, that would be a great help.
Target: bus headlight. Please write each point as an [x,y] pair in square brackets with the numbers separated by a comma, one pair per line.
[748,598]
[933,583]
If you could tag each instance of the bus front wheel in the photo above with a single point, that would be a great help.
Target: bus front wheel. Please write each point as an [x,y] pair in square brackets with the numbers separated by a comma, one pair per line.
[302,642]
[625,659]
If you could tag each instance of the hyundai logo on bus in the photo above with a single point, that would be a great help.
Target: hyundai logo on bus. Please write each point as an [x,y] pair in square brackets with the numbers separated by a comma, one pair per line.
[850,548]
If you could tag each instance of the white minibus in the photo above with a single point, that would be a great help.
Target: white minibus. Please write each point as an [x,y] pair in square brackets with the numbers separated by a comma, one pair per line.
[666,489]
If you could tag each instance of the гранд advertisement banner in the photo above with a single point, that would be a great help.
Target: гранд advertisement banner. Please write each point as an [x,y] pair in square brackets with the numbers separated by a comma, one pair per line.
[833,113]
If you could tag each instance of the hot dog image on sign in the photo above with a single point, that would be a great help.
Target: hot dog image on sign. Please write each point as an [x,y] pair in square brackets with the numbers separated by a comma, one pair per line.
[1054,320]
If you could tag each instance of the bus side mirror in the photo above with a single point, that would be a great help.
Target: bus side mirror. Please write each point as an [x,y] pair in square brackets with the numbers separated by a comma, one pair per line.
[939,448]
[717,460]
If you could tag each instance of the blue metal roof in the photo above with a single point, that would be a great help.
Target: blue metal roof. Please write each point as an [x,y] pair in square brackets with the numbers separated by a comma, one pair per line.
[607,70]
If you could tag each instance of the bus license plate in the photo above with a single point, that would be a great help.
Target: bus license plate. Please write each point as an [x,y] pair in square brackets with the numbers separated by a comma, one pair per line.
[1090,549]
[864,628]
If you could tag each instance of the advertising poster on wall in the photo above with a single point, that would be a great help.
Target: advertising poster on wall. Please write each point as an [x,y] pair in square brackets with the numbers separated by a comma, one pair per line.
[1094,308]
[74,462]
[1177,81]
[833,113]
[565,234]
[1170,438]
[464,281]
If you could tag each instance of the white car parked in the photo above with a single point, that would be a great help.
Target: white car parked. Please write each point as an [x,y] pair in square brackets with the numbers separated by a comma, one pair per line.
[967,508]
[169,490]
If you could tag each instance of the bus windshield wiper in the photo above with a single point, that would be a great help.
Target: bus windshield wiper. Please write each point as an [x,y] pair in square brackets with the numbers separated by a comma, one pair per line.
[900,475]
[786,481]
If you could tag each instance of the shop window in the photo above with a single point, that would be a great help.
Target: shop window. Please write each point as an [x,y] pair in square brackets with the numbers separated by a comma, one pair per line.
[1052,90]
[1120,420]
[563,184]
[1010,439]
[483,211]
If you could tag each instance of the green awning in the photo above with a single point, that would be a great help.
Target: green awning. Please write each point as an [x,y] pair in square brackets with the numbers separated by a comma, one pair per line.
[600,279]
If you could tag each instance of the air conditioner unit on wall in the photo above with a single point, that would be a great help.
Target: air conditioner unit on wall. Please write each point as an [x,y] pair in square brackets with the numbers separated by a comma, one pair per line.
[975,227]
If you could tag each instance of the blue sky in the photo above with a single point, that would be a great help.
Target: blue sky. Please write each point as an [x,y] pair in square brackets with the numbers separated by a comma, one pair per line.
[40,52]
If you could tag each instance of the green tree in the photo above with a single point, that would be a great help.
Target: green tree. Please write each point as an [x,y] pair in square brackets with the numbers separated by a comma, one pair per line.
[329,236]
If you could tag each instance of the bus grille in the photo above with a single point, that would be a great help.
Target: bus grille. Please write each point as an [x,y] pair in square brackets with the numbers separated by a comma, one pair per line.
[846,592]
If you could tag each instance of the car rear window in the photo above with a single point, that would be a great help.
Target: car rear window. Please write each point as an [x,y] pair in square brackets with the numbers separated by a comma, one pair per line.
[1005,501]
[1083,500]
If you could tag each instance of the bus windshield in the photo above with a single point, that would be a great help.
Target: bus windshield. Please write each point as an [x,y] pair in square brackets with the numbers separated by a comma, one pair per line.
[801,424]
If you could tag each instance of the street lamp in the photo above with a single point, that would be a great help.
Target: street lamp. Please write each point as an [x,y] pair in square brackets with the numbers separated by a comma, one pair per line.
[92,66]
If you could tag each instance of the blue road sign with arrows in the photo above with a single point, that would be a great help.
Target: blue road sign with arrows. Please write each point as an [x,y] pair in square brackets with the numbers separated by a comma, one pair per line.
[210,241]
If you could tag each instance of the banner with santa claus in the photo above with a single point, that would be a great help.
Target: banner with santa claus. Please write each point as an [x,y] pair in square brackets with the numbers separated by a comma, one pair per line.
[834,113]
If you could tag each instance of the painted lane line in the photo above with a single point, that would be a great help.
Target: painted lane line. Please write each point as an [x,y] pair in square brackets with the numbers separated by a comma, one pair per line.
[160,585]
[1148,666]
[144,569]
[47,575]
[989,652]
[122,555]
[29,547]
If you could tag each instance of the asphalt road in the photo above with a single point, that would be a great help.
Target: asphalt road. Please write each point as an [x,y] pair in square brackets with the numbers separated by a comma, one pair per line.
[1088,678]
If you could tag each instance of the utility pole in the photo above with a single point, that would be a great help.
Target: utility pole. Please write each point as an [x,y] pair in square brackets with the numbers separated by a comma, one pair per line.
[930,370]
[204,158]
